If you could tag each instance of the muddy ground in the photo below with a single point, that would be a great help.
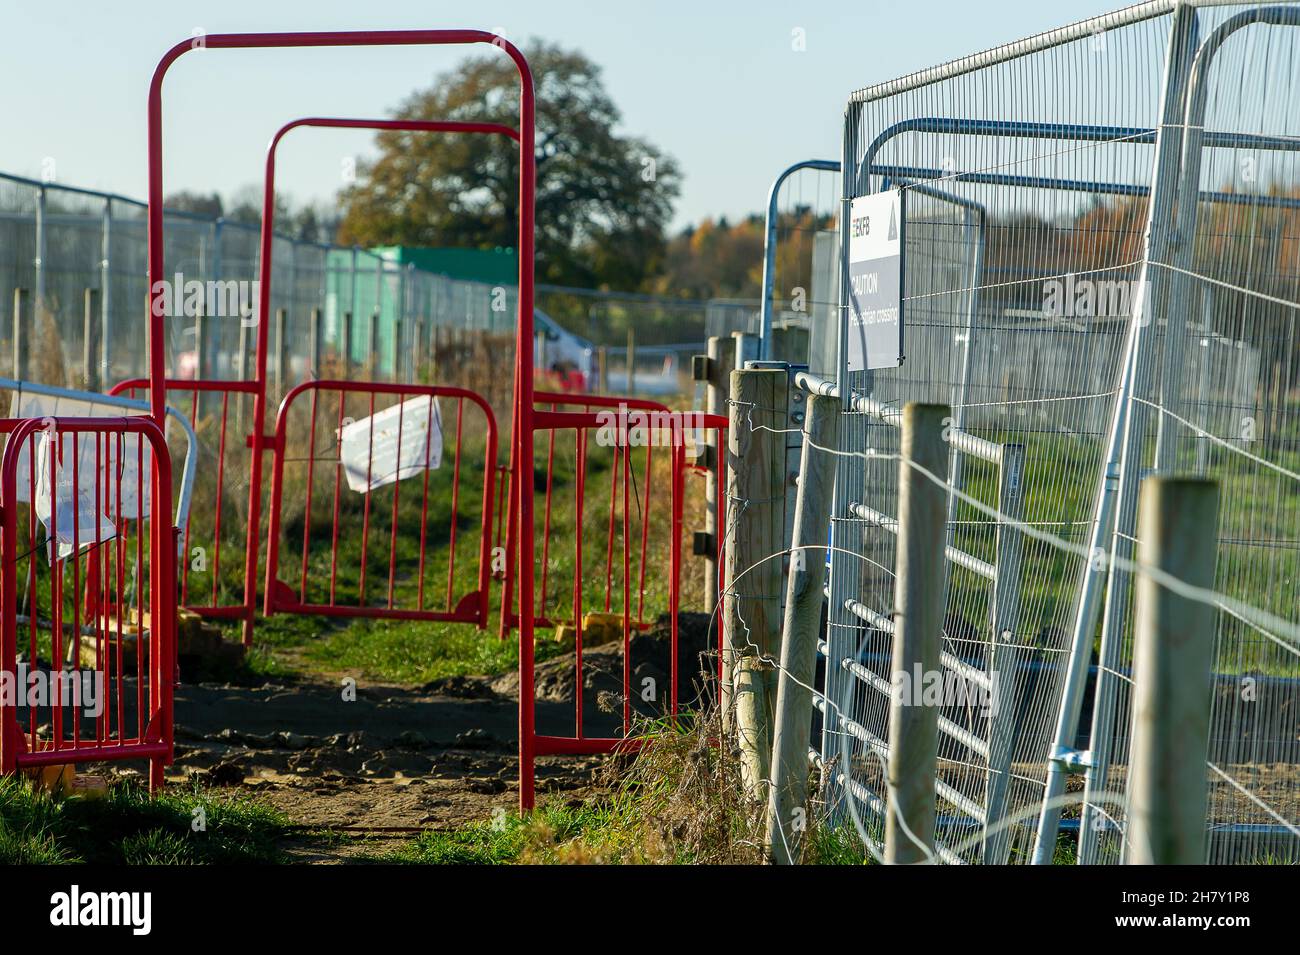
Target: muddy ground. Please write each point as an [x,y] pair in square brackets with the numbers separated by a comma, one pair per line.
[387,761]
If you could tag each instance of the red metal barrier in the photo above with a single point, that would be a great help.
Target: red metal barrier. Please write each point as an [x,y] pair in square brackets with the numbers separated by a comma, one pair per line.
[628,555]
[406,558]
[211,530]
[86,591]
[553,401]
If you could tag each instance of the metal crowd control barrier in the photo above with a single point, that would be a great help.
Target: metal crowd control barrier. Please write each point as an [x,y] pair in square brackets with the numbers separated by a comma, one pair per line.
[621,474]
[624,424]
[396,447]
[203,590]
[116,401]
[100,603]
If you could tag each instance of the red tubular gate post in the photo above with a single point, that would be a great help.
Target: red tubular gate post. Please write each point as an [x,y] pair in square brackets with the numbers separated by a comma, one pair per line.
[157,268]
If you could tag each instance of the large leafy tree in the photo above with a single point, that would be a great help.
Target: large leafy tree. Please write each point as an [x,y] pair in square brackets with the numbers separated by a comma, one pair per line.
[603,199]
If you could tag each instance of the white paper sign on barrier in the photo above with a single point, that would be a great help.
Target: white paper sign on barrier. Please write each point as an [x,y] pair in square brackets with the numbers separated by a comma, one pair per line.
[126,472]
[374,454]
[68,511]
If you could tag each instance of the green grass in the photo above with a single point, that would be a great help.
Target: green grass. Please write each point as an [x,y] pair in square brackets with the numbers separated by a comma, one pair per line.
[128,827]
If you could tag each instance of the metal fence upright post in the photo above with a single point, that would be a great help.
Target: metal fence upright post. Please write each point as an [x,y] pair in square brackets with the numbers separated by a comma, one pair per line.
[1161,241]
[1004,654]
[42,251]
[799,633]
[918,623]
[1118,469]
[1173,656]
[106,293]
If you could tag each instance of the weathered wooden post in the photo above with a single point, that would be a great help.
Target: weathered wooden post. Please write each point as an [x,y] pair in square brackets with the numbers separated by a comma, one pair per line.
[317,340]
[281,351]
[918,620]
[799,633]
[90,342]
[345,346]
[751,619]
[375,362]
[21,319]
[631,360]
[1173,655]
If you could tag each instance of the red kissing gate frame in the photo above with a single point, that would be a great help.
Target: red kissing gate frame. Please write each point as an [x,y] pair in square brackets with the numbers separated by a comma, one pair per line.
[524,424]
[259,441]
[474,607]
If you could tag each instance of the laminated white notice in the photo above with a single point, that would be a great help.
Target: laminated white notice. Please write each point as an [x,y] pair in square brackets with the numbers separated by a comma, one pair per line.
[67,511]
[126,472]
[392,445]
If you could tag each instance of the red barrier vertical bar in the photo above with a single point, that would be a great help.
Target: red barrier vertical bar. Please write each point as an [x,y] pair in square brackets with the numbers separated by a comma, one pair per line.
[645,528]
[546,520]
[397,484]
[627,587]
[338,475]
[365,510]
[613,506]
[221,476]
[455,498]
[55,440]
[33,603]
[579,498]
[306,524]
[185,571]
[424,507]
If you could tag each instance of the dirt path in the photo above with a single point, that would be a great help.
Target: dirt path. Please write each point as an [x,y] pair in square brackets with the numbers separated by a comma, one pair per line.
[394,757]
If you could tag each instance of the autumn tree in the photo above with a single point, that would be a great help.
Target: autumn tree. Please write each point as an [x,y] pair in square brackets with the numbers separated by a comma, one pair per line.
[603,199]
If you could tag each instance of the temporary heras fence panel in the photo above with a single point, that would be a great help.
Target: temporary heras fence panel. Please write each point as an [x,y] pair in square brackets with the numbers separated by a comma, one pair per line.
[382,499]
[800,230]
[1026,170]
[88,619]
[1214,394]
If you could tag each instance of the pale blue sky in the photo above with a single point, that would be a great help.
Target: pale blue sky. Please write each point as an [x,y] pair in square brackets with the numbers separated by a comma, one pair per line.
[717,85]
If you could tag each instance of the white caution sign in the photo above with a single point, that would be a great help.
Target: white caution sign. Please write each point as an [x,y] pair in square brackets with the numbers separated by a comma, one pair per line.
[116,457]
[67,507]
[392,445]
[875,333]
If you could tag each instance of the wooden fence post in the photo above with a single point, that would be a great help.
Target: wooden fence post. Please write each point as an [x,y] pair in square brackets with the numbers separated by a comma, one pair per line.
[714,370]
[800,630]
[755,521]
[1173,655]
[317,340]
[918,620]
[90,344]
[21,319]
[281,351]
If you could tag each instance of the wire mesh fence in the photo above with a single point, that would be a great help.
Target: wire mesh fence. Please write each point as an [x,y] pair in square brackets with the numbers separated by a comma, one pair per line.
[1098,281]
